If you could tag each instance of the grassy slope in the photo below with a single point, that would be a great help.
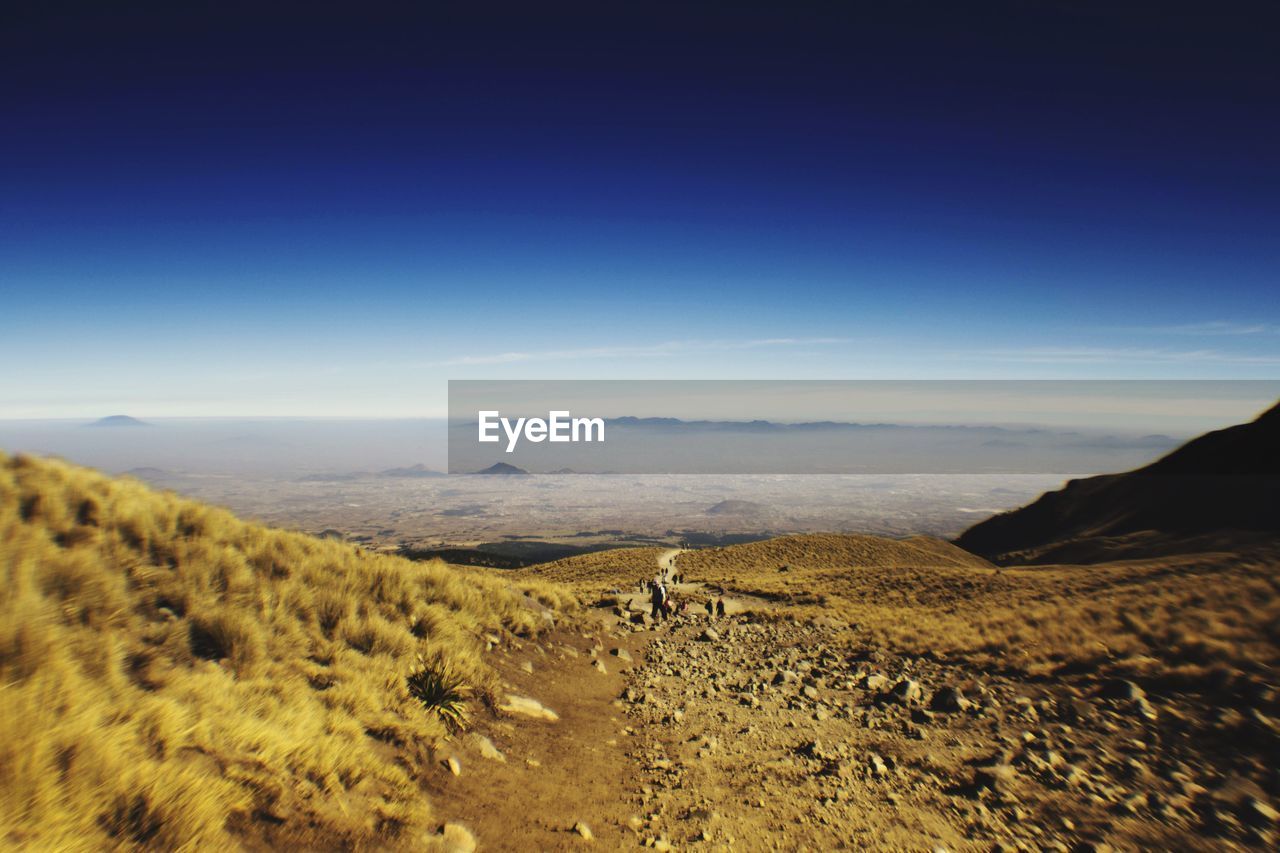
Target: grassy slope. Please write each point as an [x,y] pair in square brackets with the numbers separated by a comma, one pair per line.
[1184,618]
[171,676]
[600,570]
[1195,619]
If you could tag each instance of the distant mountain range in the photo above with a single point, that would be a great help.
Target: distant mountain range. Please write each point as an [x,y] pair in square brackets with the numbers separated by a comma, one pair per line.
[1226,480]
[806,426]
[418,471]
[414,471]
[1155,440]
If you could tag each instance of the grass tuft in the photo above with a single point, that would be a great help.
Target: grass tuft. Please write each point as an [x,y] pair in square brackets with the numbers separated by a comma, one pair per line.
[442,690]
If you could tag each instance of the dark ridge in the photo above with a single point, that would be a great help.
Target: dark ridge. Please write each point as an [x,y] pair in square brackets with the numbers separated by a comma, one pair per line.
[1225,480]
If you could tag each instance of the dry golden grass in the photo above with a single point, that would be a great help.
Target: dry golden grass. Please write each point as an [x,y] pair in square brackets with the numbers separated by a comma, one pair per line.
[599,570]
[1192,619]
[173,677]
[807,552]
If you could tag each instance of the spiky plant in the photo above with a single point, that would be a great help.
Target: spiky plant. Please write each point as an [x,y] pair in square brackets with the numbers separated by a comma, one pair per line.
[442,690]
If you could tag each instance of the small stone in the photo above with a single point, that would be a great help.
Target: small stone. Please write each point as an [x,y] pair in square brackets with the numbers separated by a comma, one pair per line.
[949,700]
[1117,688]
[598,666]
[455,766]
[1258,812]
[997,777]
[456,838]
[1145,709]
[1132,804]
[583,830]
[525,707]
[527,666]
[621,654]
[1092,847]
[906,691]
[875,681]
[486,748]
[709,635]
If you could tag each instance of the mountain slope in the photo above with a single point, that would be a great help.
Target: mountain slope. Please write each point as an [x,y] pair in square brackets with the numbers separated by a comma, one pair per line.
[173,677]
[1226,480]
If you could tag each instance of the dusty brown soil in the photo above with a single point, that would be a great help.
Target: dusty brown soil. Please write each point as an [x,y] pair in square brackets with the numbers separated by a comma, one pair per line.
[554,774]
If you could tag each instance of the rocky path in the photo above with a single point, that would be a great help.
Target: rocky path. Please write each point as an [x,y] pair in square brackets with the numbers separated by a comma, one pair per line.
[764,735]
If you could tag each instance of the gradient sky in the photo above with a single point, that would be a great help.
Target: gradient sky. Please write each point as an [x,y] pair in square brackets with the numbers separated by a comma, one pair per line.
[208,209]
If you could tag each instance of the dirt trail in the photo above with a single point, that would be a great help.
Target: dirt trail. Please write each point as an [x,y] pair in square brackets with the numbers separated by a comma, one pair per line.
[550,775]
[638,601]
[526,784]
[667,559]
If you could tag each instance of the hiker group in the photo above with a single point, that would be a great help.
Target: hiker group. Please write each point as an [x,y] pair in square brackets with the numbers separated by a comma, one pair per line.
[664,603]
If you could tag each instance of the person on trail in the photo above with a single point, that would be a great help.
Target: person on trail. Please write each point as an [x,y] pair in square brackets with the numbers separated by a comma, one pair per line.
[711,609]
[720,608]
[657,597]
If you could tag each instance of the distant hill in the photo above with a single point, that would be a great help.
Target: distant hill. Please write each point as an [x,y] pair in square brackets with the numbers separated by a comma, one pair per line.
[118,421]
[829,550]
[810,560]
[413,471]
[1226,480]
[502,469]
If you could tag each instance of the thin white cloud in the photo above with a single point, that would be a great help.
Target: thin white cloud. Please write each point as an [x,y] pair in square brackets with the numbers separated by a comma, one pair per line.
[662,349]
[1130,355]
[1209,329]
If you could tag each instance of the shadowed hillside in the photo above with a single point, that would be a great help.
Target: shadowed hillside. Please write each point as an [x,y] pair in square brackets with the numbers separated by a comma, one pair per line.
[1227,480]
[175,678]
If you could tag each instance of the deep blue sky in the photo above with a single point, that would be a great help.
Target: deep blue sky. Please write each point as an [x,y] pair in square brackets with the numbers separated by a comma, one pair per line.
[209,209]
